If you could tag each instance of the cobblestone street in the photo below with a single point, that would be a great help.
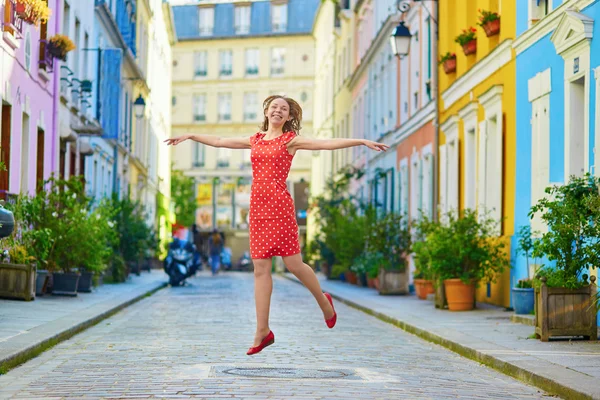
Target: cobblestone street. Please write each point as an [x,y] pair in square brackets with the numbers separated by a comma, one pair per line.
[191,342]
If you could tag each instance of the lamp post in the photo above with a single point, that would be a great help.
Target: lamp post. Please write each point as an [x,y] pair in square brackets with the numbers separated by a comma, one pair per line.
[140,106]
[400,40]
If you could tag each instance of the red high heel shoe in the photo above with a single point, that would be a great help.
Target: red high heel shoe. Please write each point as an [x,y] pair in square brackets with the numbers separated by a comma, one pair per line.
[267,341]
[331,321]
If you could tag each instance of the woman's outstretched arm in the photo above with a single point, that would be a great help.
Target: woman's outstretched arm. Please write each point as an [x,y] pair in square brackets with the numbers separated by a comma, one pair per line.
[213,141]
[302,143]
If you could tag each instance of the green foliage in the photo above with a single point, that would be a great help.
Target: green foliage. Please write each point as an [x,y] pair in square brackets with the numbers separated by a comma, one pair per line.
[389,236]
[524,284]
[369,264]
[465,248]
[572,242]
[182,194]
[422,227]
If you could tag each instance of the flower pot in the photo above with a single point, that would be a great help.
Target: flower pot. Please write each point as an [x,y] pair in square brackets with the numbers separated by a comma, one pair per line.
[450,66]
[470,47]
[351,278]
[41,282]
[17,281]
[523,300]
[393,282]
[85,282]
[362,280]
[376,283]
[423,287]
[370,282]
[21,10]
[65,284]
[460,296]
[566,312]
[492,28]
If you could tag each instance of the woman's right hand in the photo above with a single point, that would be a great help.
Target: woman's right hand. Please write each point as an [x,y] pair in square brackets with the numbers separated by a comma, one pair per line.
[176,140]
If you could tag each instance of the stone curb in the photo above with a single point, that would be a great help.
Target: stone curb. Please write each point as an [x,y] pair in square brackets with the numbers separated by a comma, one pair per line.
[22,356]
[522,319]
[506,368]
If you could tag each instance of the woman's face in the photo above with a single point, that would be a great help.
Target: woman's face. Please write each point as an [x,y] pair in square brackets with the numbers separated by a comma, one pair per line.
[278,112]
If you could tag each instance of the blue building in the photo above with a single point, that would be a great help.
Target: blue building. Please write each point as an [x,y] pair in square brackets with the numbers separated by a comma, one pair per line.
[558,77]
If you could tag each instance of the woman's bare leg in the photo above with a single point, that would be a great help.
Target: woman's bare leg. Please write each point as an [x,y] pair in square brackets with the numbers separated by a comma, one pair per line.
[308,277]
[263,287]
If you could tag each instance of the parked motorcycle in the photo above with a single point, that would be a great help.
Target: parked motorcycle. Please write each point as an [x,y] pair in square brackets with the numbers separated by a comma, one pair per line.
[245,262]
[182,261]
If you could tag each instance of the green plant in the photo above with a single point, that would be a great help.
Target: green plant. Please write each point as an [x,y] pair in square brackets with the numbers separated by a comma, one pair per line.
[182,194]
[572,242]
[466,248]
[422,227]
[524,284]
[368,263]
[389,236]
[487,16]
[446,57]
[466,36]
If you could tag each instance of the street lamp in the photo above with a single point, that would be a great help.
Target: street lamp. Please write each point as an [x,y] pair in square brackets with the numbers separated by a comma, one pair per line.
[140,106]
[400,40]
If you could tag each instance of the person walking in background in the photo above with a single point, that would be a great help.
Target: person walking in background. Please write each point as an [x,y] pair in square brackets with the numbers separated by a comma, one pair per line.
[273,226]
[215,247]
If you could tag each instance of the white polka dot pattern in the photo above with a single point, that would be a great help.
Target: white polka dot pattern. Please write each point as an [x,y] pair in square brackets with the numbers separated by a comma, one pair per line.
[273,227]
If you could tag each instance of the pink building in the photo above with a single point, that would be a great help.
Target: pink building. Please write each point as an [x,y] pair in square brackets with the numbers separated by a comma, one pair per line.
[29,142]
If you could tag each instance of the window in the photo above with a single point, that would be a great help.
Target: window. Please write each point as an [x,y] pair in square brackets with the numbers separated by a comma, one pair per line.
[469,116]
[226,61]
[242,20]
[538,9]
[449,171]
[223,157]
[200,63]
[279,17]
[403,188]
[207,21]
[12,23]
[199,155]
[225,107]
[427,163]
[277,62]
[252,61]
[28,51]
[250,106]
[199,105]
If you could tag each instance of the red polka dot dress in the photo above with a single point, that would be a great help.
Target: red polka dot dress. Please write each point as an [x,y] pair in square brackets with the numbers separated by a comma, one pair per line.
[273,226]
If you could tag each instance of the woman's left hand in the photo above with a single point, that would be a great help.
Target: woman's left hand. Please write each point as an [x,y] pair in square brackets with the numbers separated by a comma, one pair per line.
[376,146]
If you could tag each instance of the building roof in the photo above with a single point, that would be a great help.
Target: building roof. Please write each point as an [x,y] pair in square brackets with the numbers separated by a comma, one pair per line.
[300,19]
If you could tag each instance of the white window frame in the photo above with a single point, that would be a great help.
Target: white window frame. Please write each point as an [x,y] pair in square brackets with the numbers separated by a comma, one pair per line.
[427,172]
[493,143]
[223,157]
[199,155]
[539,88]
[250,106]
[414,190]
[225,63]
[597,124]
[242,19]
[206,20]
[536,12]
[278,61]
[199,107]
[252,62]
[200,64]
[279,17]
[403,188]
[224,104]
[469,116]
[451,154]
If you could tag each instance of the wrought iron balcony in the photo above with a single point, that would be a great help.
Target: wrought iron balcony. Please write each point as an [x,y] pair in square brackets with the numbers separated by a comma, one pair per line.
[46,61]
[12,23]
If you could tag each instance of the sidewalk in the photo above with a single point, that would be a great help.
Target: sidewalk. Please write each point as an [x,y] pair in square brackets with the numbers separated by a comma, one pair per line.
[28,328]
[487,335]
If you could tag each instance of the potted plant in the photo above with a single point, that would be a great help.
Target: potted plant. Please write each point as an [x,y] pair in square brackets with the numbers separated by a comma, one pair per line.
[448,60]
[59,45]
[423,277]
[468,40]
[464,250]
[565,292]
[33,12]
[389,236]
[522,293]
[490,22]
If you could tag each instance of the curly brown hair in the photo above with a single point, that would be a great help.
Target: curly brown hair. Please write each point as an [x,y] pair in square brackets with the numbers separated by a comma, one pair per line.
[293,125]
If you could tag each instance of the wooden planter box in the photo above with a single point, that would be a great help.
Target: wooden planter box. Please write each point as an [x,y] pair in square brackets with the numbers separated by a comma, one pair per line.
[566,312]
[393,282]
[17,281]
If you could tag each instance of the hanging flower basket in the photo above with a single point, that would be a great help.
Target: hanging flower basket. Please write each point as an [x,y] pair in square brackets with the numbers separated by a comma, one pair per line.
[490,22]
[21,10]
[59,46]
[470,47]
[33,12]
[448,60]
[468,40]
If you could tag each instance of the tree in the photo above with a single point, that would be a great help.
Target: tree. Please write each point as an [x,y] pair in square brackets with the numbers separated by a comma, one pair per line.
[182,193]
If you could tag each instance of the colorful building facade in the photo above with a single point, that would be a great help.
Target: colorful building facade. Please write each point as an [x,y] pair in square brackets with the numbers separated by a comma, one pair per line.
[477,140]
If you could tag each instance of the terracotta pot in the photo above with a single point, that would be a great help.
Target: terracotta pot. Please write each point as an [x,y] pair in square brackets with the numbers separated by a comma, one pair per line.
[423,288]
[21,10]
[470,48]
[450,65]
[370,282]
[492,28]
[460,297]
[376,282]
[351,277]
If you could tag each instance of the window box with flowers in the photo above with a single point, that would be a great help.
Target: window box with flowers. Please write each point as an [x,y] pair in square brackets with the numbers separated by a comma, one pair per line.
[490,22]
[448,60]
[33,12]
[59,46]
[468,40]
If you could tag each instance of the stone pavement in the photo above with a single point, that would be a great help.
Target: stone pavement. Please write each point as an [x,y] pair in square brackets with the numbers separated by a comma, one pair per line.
[190,342]
[28,327]
[568,368]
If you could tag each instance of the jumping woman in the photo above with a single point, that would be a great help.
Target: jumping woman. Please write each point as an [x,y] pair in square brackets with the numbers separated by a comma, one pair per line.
[273,227]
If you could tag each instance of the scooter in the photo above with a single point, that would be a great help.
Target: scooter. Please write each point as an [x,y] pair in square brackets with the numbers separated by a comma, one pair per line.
[245,262]
[182,261]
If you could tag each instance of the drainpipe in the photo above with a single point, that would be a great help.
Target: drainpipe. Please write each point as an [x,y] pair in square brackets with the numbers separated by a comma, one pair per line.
[55,95]
[436,122]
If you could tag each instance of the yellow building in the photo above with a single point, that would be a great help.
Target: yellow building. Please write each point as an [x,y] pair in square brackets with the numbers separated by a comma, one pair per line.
[230,56]
[477,120]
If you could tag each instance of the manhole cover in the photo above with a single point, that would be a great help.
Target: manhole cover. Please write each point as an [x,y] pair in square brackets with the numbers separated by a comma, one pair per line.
[289,373]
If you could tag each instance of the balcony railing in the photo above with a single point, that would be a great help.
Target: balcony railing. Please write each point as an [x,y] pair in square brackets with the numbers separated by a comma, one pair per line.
[46,59]
[224,117]
[200,72]
[252,71]
[199,117]
[12,23]
[225,72]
